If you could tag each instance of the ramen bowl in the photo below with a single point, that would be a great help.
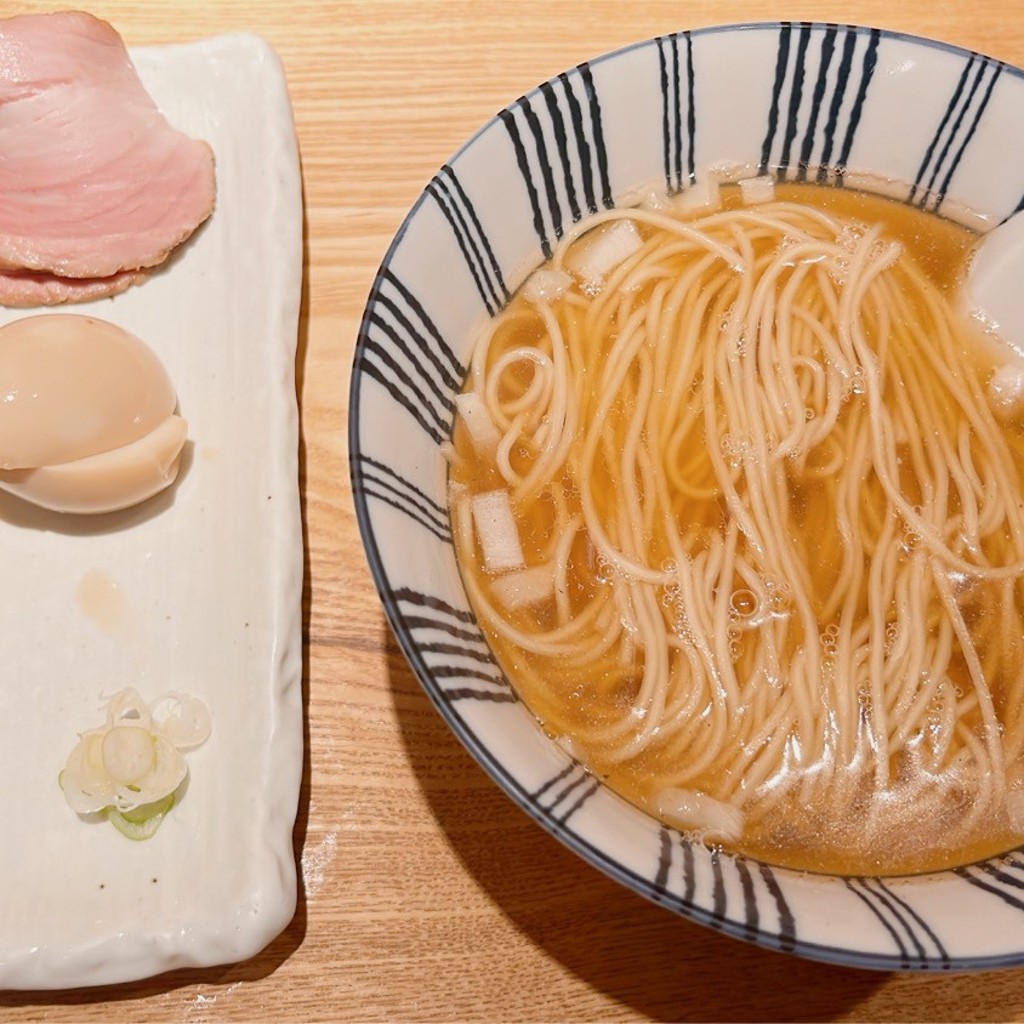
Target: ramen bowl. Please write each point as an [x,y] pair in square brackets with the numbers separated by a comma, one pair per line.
[834,104]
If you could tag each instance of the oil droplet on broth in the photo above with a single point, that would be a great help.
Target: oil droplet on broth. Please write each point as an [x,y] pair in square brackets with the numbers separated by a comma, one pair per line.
[101,600]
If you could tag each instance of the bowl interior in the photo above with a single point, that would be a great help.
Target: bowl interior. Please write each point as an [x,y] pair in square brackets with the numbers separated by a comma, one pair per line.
[933,125]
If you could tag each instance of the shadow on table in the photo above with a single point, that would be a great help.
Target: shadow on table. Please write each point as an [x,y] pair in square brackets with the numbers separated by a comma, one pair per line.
[646,958]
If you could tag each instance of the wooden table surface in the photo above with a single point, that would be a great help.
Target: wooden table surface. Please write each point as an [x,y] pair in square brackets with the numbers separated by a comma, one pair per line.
[426,895]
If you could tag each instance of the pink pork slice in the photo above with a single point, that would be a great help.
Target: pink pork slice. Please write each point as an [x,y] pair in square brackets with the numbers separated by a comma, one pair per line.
[26,288]
[93,180]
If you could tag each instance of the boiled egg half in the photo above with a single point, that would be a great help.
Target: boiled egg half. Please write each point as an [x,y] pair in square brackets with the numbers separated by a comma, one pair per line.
[87,420]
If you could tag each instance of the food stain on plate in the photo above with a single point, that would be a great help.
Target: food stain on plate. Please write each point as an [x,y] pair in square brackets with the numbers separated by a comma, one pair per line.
[102,601]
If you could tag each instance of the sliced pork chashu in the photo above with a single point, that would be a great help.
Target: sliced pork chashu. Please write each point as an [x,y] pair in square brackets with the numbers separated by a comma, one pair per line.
[24,289]
[94,182]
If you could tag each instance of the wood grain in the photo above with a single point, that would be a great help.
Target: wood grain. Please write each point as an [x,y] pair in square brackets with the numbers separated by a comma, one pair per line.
[426,894]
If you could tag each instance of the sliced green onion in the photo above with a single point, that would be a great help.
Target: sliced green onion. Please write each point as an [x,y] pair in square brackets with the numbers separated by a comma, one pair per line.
[140,822]
[129,769]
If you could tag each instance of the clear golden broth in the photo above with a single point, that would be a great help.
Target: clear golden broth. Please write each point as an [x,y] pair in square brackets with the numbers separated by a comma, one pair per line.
[799,836]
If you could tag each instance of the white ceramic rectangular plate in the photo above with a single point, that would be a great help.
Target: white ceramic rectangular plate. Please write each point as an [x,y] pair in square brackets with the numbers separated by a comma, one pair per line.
[200,590]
